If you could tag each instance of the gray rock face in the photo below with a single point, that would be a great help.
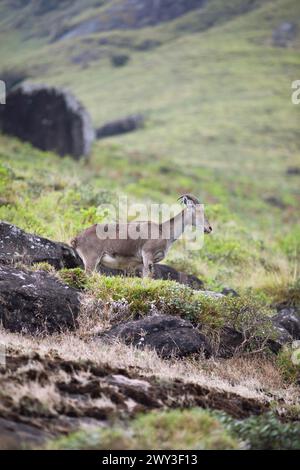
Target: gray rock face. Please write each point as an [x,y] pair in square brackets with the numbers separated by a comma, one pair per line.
[19,246]
[284,34]
[121,126]
[130,14]
[48,118]
[168,335]
[289,320]
[36,302]
[287,327]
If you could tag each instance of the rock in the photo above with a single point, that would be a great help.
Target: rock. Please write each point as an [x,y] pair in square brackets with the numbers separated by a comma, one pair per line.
[167,335]
[162,271]
[230,341]
[229,291]
[289,320]
[19,246]
[13,435]
[36,302]
[49,118]
[121,126]
[119,60]
[293,170]
[284,34]
[131,14]
[276,202]
[282,338]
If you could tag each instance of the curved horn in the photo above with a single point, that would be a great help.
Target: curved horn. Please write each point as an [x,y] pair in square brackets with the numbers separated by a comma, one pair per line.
[187,199]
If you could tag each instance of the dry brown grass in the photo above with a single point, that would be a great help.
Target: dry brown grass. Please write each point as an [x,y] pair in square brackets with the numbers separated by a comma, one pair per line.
[249,377]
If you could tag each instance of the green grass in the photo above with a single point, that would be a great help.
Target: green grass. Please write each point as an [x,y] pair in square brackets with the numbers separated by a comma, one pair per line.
[220,124]
[135,298]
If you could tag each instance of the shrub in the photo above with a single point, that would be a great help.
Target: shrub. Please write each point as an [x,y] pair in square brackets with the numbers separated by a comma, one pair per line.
[188,429]
[76,277]
[43,266]
[288,368]
[265,432]
[246,314]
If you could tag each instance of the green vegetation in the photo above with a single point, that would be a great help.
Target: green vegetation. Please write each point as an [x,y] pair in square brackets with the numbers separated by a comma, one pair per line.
[247,313]
[220,124]
[288,361]
[189,429]
[74,277]
[195,429]
[265,432]
[216,95]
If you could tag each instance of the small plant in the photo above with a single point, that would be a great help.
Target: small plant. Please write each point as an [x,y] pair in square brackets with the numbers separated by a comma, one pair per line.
[73,277]
[289,364]
[43,267]
[264,432]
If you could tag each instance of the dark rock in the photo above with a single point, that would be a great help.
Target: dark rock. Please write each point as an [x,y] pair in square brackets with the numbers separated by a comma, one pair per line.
[276,202]
[161,271]
[13,435]
[293,170]
[289,320]
[230,341]
[229,291]
[121,126]
[36,302]
[284,34]
[168,335]
[19,246]
[119,60]
[49,118]
[282,338]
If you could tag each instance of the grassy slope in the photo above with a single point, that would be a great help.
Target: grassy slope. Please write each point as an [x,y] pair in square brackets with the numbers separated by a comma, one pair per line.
[220,124]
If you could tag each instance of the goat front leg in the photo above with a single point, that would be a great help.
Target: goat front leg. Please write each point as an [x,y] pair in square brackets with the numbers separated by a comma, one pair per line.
[148,265]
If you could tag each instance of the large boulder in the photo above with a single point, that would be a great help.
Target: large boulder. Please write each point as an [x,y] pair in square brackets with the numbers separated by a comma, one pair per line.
[19,246]
[120,126]
[36,302]
[167,335]
[49,118]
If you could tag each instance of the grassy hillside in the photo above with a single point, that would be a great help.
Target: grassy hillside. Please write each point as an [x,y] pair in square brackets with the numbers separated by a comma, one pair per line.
[220,124]
[216,95]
